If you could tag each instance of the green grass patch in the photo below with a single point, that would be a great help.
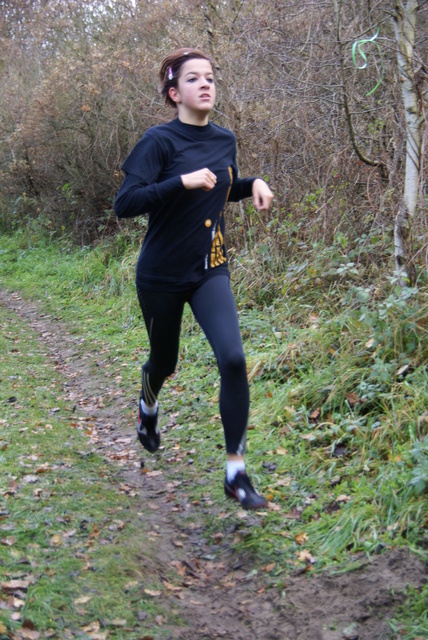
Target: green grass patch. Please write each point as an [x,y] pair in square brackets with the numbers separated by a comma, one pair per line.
[411,620]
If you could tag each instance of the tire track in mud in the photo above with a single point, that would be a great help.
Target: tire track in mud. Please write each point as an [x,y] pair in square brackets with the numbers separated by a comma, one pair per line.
[220,598]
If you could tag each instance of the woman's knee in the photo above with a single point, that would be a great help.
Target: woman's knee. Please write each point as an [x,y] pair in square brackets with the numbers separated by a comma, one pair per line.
[233,363]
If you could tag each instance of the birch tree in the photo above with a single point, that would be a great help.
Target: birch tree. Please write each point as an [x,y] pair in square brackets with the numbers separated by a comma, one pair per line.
[410,77]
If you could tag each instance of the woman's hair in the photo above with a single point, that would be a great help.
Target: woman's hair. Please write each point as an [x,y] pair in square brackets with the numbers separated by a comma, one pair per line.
[170,70]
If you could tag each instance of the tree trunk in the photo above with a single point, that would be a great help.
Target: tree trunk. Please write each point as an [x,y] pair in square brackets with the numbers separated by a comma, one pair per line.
[405,29]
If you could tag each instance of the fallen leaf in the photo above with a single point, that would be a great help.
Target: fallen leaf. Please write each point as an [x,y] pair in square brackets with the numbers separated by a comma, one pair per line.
[171,587]
[16,585]
[152,592]
[353,399]
[125,488]
[93,626]
[283,482]
[315,415]
[56,540]
[95,532]
[8,542]
[301,538]
[154,474]
[402,370]
[12,488]
[82,600]
[15,603]
[2,628]
[295,514]
[29,634]
[281,451]
[228,584]
[305,556]
[308,436]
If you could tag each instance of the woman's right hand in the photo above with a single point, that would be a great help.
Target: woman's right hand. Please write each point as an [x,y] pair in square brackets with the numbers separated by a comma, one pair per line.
[203,179]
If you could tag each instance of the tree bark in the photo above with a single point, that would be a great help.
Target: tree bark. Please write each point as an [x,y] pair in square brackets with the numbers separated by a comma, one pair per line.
[405,30]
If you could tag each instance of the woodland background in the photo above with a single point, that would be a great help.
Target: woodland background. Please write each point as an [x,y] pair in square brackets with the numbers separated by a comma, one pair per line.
[79,88]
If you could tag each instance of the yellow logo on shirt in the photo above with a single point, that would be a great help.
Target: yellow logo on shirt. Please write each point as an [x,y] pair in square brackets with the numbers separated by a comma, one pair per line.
[218,252]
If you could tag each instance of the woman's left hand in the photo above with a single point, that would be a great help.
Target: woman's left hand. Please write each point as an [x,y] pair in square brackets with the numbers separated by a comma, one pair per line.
[262,195]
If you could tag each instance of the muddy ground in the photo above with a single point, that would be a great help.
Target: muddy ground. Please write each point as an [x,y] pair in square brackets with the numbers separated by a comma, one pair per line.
[222,599]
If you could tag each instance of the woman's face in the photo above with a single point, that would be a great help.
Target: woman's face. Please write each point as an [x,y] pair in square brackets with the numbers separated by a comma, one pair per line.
[196,88]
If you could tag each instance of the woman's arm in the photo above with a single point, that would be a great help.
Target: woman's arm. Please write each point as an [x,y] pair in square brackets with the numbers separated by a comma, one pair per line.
[256,187]
[241,188]
[136,198]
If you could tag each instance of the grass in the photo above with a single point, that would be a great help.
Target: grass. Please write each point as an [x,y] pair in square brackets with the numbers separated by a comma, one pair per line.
[338,426]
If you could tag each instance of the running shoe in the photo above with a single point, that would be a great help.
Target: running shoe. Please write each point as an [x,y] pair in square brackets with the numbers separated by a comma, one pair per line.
[242,490]
[147,430]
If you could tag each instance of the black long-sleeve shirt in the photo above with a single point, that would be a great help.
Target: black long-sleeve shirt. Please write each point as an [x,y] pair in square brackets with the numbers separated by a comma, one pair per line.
[184,242]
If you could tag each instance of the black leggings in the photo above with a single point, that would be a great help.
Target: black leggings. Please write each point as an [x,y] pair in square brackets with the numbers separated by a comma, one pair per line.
[214,308]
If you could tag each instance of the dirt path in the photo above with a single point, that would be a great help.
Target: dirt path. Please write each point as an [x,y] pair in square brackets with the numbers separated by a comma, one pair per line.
[222,598]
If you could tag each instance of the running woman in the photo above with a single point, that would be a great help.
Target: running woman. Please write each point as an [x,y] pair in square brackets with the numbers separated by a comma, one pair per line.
[182,174]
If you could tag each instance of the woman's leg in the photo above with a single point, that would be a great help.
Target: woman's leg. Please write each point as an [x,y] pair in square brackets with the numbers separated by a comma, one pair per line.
[162,314]
[214,308]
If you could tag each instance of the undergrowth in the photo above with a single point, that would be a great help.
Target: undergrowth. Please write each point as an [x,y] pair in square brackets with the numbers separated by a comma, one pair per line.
[336,355]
